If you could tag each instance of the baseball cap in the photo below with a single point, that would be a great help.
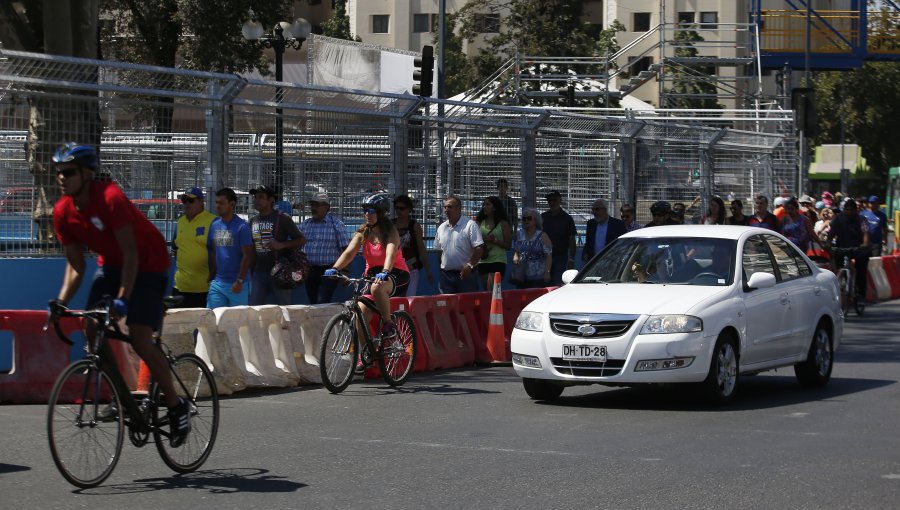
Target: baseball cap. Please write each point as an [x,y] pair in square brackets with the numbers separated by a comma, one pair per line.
[319,198]
[874,198]
[779,201]
[194,192]
[553,194]
[268,190]
[806,199]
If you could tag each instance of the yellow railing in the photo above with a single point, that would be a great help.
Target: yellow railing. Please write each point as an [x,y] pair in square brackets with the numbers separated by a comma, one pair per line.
[785,31]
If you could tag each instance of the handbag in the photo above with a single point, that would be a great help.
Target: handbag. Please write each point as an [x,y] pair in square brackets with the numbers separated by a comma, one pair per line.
[291,266]
[517,273]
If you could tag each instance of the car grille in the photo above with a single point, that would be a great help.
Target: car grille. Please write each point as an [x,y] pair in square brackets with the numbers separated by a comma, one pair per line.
[588,368]
[602,328]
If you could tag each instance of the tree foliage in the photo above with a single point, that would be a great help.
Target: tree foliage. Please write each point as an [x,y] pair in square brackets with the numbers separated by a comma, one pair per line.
[690,80]
[338,25]
[866,99]
[459,70]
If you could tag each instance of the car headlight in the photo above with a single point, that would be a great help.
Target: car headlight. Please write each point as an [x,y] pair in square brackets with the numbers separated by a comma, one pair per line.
[530,321]
[661,324]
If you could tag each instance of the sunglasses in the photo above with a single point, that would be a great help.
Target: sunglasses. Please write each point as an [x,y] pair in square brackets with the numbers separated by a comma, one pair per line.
[400,208]
[67,172]
[188,200]
[369,210]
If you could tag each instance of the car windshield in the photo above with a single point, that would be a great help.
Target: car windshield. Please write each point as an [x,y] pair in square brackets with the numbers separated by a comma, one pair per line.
[664,260]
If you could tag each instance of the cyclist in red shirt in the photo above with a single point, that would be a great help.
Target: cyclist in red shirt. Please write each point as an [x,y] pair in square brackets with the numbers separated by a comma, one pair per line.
[132,258]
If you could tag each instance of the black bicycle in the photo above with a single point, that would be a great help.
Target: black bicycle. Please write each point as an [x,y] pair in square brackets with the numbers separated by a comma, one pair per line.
[846,274]
[91,405]
[341,351]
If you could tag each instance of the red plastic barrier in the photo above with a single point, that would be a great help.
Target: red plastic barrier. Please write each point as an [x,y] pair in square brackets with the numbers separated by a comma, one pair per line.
[38,356]
[438,324]
[891,264]
[474,310]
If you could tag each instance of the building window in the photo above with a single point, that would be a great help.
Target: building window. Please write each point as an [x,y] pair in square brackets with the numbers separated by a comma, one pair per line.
[708,20]
[641,21]
[685,18]
[381,23]
[424,22]
[636,65]
[487,23]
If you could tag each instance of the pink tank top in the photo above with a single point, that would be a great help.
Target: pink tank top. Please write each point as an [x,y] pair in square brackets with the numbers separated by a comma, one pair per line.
[374,256]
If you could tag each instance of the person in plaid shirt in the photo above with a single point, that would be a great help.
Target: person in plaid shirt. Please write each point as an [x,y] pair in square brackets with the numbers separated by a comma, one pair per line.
[326,239]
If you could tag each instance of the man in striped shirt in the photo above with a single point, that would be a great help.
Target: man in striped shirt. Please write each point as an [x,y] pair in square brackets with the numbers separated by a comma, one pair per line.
[326,239]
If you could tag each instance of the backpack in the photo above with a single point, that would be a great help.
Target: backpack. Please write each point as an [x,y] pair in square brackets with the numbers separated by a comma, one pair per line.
[291,266]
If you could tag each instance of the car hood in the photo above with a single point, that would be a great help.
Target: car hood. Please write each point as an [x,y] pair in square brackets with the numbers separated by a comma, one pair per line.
[626,298]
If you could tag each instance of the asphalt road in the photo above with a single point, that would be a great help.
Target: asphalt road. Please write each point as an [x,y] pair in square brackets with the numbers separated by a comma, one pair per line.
[473,439]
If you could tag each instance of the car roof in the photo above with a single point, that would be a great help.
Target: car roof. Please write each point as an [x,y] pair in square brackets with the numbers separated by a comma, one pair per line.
[713,231]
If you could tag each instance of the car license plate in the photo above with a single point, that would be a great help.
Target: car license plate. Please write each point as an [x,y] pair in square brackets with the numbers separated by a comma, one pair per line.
[584,352]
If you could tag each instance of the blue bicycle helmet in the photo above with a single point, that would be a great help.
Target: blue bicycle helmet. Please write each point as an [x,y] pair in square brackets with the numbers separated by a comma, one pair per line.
[380,201]
[81,155]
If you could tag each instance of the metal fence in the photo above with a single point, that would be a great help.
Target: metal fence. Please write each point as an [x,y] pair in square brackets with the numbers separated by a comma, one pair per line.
[161,131]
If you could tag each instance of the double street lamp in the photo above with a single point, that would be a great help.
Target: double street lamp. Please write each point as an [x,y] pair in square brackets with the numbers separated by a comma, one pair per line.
[283,35]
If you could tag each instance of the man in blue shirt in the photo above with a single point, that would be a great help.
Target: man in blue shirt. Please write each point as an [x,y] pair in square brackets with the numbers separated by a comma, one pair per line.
[601,230]
[231,254]
[326,239]
[878,230]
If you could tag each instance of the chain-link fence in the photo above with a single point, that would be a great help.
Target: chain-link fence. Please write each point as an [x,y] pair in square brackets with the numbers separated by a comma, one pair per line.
[161,131]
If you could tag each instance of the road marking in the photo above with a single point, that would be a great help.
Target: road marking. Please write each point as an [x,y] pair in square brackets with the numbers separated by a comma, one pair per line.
[797,415]
[450,446]
[891,476]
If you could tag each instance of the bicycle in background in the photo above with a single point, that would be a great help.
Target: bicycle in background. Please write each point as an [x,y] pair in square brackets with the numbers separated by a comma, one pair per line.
[846,274]
[91,406]
[341,351]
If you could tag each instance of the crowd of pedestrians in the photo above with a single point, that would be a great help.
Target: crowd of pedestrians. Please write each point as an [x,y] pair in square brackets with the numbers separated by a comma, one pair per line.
[216,255]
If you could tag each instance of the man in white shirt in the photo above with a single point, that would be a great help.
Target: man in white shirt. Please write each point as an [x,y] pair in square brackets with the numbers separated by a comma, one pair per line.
[460,243]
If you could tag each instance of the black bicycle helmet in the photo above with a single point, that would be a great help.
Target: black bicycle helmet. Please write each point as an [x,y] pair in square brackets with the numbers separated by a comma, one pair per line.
[380,201]
[81,155]
[661,207]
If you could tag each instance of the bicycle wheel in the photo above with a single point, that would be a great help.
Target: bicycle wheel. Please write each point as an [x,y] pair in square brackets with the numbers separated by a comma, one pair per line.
[84,425]
[399,354]
[195,384]
[337,357]
[845,282]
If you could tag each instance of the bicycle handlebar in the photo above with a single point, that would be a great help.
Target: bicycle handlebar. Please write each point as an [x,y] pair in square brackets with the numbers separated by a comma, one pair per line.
[846,250]
[100,314]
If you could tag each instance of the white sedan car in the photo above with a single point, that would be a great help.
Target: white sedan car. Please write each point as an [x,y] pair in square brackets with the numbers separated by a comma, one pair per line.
[682,304]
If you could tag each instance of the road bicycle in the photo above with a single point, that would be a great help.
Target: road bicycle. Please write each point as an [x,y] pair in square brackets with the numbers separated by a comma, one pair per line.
[91,406]
[341,350]
[846,274]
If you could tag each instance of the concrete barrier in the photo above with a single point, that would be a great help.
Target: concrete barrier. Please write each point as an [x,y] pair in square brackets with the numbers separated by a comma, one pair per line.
[195,330]
[306,323]
[878,277]
[273,328]
[249,347]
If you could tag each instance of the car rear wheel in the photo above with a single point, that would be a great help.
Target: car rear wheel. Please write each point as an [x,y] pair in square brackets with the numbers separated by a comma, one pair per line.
[721,383]
[816,370]
[540,389]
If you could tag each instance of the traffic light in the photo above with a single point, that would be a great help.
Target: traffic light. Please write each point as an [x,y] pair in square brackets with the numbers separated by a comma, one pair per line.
[803,101]
[568,94]
[423,74]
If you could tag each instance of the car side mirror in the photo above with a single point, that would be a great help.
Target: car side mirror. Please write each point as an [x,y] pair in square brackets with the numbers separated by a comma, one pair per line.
[761,281]
[569,275]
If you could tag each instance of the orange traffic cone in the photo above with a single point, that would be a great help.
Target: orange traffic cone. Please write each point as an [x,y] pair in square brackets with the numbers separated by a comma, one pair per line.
[143,381]
[496,337]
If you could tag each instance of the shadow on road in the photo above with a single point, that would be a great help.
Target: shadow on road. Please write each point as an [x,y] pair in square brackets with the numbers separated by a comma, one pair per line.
[872,337]
[214,481]
[12,468]
[756,392]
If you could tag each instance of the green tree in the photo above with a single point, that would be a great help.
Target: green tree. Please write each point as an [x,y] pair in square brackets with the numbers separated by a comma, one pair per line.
[338,25]
[690,80]
[459,71]
[866,99]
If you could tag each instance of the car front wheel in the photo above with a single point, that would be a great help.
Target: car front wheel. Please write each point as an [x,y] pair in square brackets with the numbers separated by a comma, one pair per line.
[816,370]
[540,389]
[721,383]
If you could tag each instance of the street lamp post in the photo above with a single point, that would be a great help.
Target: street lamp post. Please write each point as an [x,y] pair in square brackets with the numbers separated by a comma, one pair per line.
[283,35]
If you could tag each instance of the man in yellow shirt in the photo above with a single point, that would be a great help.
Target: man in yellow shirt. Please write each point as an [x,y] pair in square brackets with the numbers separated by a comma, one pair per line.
[191,255]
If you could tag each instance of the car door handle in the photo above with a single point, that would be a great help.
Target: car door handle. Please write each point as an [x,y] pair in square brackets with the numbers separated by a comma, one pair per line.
[784,299]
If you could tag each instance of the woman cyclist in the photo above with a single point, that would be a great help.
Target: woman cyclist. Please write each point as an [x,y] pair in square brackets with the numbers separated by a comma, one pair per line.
[381,249]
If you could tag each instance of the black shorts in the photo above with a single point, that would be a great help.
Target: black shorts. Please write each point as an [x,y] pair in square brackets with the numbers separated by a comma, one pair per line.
[398,276]
[146,304]
[492,267]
